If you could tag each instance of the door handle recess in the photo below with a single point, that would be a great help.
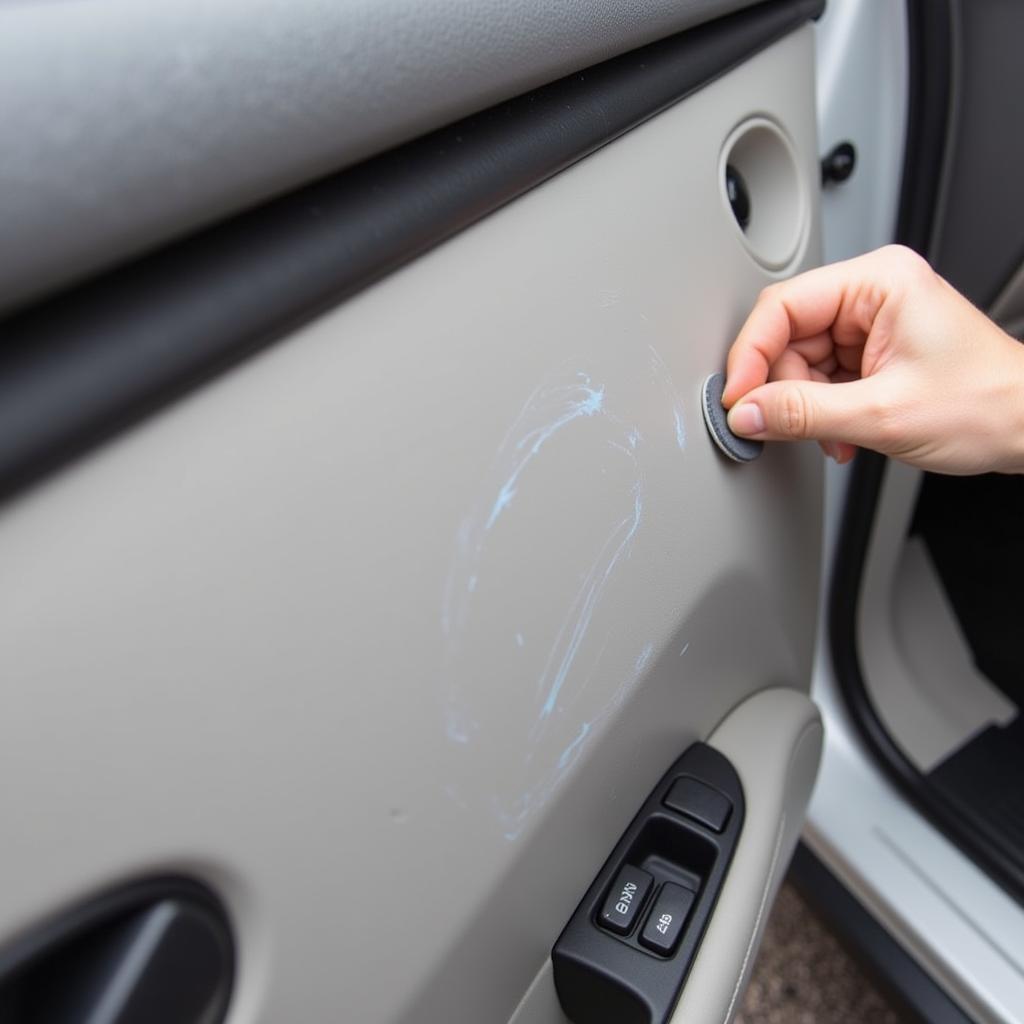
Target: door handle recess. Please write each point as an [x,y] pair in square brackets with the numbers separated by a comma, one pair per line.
[156,952]
[625,953]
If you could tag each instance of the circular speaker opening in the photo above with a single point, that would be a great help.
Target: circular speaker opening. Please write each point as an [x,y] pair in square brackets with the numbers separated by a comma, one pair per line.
[763,191]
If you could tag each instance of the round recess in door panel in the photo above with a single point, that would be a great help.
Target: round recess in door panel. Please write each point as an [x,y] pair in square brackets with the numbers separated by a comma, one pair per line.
[158,951]
[774,194]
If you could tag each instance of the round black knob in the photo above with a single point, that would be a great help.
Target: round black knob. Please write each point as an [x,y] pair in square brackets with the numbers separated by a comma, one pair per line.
[739,196]
[838,165]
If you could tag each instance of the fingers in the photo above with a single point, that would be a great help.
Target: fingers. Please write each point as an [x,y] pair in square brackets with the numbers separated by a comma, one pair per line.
[814,349]
[826,367]
[802,307]
[809,314]
[789,366]
[793,410]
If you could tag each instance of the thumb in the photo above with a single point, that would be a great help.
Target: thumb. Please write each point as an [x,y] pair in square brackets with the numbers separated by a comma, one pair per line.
[796,410]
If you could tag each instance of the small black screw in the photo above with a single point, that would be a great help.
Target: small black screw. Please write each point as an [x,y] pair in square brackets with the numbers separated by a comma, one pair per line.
[739,197]
[838,165]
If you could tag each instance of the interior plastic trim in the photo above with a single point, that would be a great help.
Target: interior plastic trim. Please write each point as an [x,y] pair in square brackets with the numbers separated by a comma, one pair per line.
[85,364]
[603,977]
[221,107]
[51,938]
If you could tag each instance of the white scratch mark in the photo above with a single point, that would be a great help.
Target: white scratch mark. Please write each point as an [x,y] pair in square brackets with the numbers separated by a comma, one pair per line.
[645,657]
[589,401]
[583,607]
[662,373]
[563,679]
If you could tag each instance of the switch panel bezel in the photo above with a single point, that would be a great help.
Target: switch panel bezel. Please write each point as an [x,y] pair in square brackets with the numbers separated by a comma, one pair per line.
[602,977]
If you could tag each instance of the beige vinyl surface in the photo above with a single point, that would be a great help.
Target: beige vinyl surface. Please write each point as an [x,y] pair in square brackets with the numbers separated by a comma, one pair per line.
[387,634]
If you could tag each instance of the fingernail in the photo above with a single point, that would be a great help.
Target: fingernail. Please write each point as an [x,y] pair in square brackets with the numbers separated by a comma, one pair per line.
[830,450]
[746,419]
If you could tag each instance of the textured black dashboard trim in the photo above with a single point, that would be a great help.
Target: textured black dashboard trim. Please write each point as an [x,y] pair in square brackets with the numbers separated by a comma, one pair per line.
[84,364]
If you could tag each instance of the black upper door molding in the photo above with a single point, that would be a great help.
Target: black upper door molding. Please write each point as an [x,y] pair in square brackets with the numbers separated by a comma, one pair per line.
[87,363]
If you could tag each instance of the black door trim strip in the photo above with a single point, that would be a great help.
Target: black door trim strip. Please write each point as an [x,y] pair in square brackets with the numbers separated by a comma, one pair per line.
[84,364]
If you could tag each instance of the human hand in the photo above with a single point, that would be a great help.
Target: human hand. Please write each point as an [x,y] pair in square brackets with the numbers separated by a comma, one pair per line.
[880,352]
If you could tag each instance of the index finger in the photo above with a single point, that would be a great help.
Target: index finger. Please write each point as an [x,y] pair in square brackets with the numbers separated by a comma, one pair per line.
[802,307]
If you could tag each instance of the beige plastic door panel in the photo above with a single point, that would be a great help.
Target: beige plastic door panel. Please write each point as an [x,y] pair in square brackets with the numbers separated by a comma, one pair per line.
[383,635]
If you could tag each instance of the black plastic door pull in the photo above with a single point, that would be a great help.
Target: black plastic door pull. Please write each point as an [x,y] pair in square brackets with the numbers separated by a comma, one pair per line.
[153,953]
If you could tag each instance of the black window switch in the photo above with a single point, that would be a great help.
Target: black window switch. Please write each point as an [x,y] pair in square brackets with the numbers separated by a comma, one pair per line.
[625,899]
[699,801]
[666,919]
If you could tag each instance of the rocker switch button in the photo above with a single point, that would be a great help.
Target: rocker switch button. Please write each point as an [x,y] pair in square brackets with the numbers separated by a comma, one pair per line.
[700,802]
[625,900]
[665,921]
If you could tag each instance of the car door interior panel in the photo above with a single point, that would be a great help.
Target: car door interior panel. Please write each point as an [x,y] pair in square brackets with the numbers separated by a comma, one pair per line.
[223,106]
[367,562]
[77,368]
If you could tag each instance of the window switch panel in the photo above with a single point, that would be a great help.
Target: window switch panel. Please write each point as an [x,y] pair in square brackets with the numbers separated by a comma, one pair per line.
[626,951]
